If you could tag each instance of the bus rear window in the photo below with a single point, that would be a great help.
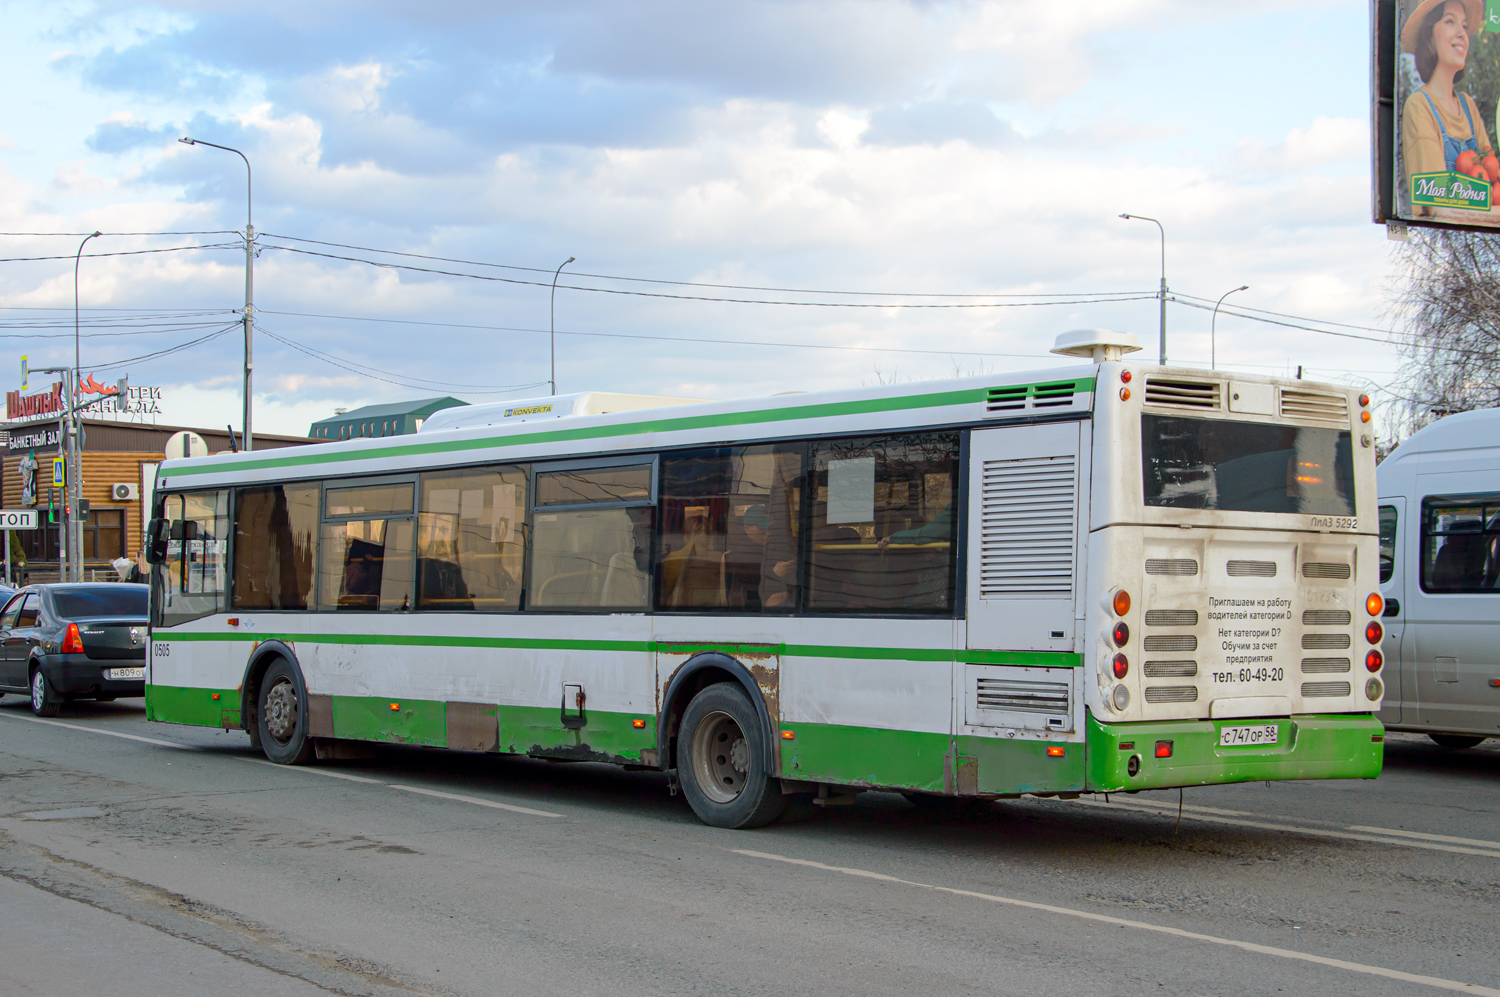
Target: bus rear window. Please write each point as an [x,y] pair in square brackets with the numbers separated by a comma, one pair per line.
[1229,466]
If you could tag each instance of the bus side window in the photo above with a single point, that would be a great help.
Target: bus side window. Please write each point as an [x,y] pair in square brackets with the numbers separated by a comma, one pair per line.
[194,577]
[275,546]
[471,540]
[1387,542]
[729,519]
[883,524]
[591,538]
[1461,543]
[365,548]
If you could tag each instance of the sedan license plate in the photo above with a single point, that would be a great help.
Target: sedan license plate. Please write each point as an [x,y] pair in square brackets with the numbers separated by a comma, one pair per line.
[1230,737]
[124,673]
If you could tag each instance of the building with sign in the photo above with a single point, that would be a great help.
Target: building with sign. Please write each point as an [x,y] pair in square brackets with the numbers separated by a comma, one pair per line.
[119,466]
[396,419]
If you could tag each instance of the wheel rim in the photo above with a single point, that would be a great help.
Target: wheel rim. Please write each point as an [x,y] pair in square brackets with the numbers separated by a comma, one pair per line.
[38,691]
[281,711]
[721,757]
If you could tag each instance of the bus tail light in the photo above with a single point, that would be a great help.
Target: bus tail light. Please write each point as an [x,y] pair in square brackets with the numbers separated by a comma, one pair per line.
[72,640]
[1374,632]
[1374,604]
[1373,661]
[1121,634]
[1121,666]
[1121,603]
[1163,749]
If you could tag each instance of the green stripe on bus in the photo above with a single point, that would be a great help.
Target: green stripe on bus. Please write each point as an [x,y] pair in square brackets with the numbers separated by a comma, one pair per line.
[1044,659]
[864,756]
[196,707]
[662,425]
[1329,746]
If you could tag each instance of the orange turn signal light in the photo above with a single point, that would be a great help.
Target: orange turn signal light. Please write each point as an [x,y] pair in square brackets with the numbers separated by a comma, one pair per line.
[1374,604]
[1121,603]
[637,724]
[1124,394]
[787,735]
[233,621]
[216,695]
[395,706]
[1364,417]
[1055,751]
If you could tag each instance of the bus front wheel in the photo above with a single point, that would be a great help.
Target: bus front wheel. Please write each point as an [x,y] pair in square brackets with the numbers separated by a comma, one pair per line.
[721,761]
[281,717]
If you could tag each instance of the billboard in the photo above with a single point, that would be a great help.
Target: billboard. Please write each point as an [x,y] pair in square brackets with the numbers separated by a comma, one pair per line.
[1436,85]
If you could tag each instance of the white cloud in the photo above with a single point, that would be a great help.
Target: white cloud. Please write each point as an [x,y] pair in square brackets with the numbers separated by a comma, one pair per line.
[1326,140]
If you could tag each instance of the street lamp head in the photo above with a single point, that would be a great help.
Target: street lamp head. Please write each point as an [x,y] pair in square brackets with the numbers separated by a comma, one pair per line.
[1243,287]
[187,141]
[1122,214]
[570,259]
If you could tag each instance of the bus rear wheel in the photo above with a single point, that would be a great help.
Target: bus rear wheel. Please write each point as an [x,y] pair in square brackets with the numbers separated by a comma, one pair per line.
[1455,742]
[281,715]
[721,761]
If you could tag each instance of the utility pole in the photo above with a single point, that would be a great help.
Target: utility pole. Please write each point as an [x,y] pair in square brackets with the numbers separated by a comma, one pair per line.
[246,437]
[1162,292]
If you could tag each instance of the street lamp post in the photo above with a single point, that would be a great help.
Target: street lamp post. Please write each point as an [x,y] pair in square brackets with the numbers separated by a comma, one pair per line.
[1213,327]
[246,437]
[74,483]
[1162,293]
[64,525]
[552,324]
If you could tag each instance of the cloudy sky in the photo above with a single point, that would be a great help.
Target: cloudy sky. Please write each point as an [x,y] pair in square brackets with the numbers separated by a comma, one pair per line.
[918,153]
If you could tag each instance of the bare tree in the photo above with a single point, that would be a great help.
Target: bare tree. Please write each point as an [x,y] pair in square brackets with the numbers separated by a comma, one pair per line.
[1451,304]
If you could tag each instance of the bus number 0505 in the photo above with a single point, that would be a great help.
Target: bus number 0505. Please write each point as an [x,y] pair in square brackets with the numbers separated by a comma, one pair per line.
[161,650]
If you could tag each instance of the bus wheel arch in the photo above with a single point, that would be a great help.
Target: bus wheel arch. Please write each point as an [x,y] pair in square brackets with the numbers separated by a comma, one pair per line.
[274,656]
[696,674]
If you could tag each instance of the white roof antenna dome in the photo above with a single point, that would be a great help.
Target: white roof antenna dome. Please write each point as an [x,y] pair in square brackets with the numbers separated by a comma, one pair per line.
[1099,345]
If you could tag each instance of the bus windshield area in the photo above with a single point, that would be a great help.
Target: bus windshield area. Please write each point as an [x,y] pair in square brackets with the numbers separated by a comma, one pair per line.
[1218,464]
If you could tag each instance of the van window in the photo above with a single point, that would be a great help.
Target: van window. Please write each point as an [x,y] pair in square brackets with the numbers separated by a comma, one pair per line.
[1461,543]
[1387,542]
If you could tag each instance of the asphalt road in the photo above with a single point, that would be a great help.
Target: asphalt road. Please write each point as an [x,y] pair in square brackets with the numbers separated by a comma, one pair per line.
[138,858]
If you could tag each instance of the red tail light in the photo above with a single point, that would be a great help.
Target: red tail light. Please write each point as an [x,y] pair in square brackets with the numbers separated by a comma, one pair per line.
[1373,661]
[1122,666]
[1374,632]
[73,640]
[1121,634]
[1163,749]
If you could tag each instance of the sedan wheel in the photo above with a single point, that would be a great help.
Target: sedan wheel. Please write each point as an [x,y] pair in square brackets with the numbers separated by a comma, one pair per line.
[44,702]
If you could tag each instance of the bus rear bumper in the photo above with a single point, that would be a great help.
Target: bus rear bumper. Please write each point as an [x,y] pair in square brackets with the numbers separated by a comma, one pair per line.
[1328,746]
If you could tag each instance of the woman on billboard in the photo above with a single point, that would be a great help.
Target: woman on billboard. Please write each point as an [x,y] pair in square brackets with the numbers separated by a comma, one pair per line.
[1439,125]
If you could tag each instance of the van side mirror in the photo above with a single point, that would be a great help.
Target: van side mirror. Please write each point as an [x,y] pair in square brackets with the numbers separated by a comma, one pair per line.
[156,541]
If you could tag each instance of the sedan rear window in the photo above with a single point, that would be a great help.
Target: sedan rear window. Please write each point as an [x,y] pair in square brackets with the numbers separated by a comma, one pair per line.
[120,600]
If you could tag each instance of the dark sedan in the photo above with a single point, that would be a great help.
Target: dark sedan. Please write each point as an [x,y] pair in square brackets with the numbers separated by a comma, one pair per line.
[62,642]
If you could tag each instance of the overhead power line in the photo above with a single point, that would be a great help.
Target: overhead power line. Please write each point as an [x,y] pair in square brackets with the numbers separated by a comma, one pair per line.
[76,235]
[124,252]
[666,339]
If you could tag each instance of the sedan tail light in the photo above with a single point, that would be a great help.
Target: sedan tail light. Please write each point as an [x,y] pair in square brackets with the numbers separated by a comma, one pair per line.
[73,640]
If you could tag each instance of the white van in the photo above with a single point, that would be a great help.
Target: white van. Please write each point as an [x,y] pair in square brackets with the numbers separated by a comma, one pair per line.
[1440,575]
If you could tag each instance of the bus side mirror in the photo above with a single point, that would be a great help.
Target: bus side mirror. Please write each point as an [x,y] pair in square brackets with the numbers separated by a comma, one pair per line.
[156,541]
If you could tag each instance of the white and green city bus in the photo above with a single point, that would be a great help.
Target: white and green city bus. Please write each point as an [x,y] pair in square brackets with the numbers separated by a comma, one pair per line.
[1089,578]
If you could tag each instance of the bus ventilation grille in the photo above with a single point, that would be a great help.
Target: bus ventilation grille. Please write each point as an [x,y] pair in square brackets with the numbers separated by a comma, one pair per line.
[1171,669]
[1171,642]
[1318,406]
[1180,393]
[1312,690]
[1326,618]
[1171,566]
[1026,539]
[1325,569]
[1325,642]
[1325,666]
[1172,693]
[1171,617]
[1251,569]
[1024,397]
[1020,696]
